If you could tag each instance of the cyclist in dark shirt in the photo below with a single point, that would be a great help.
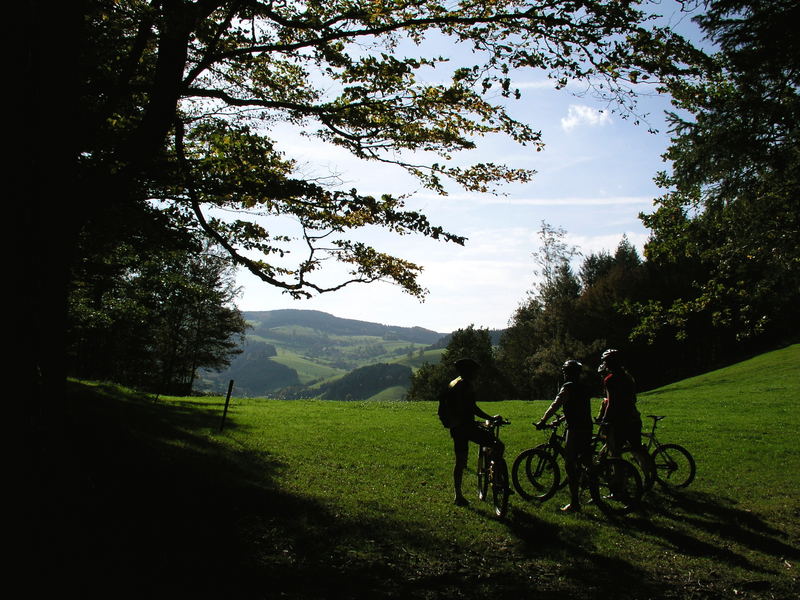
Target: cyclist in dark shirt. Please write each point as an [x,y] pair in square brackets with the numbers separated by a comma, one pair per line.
[463,427]
[574,399]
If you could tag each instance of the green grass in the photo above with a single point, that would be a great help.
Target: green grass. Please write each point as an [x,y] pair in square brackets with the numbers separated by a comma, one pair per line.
[321,499]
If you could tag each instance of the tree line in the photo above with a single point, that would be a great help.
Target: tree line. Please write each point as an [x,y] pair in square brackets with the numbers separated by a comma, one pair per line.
[577,314]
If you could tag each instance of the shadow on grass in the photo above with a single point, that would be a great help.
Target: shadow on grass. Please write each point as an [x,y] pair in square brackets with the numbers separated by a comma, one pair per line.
[680,519]
[686,525]
[139,502]
[583,570]
[146,505]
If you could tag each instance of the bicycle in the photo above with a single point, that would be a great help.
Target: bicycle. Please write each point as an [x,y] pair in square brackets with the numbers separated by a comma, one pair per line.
[492,471]
[542,476]
[641,460]
[671,465]
[614,485]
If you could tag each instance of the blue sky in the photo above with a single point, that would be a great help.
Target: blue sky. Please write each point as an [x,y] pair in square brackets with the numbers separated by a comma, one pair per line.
[594,176]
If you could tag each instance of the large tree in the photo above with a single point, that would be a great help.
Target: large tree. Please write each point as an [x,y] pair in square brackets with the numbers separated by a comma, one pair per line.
[171,109]
[568,316]
[726,230]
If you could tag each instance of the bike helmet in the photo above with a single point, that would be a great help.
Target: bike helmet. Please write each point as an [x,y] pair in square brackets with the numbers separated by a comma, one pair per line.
[466,365]
[571,368]
[611,359]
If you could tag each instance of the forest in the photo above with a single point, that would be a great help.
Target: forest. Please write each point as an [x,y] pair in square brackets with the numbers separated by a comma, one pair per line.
[165,151]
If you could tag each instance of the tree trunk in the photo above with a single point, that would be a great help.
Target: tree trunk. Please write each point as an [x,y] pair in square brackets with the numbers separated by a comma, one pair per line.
[52,208]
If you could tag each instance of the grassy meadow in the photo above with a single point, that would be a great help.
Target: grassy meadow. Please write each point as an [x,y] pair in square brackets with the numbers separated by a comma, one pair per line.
[322,499]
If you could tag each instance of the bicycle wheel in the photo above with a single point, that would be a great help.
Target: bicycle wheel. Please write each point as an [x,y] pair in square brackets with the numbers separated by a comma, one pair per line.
[644,464]
[675,467]
[500,491]
[535,474]
[483,474]
[615,486]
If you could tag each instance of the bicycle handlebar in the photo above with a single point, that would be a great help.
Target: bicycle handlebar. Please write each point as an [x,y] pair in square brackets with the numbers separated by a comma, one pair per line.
[552,425]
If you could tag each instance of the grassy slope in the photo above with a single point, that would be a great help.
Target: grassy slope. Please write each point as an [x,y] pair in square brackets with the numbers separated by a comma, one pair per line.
[312,499]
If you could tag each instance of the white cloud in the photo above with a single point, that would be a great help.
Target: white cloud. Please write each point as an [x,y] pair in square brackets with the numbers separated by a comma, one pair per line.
[579,114]
[481,283]
[539,84]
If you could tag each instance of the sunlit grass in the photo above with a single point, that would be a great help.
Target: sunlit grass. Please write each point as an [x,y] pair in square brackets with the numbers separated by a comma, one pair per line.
[365,487]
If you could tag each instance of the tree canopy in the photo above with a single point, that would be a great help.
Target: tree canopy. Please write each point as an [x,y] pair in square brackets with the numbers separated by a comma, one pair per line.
[182,102]
[563,316]
[730,219]
[151,318]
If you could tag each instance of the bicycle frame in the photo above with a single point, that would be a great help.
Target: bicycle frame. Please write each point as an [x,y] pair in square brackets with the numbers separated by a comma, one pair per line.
[596,474]
[494,427]
[557,438]
[650,436]
[652,440]
[493,472]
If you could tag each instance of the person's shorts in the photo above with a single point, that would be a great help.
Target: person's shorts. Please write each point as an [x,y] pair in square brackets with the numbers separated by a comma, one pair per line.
[578,443]
[628,432]
[472,432]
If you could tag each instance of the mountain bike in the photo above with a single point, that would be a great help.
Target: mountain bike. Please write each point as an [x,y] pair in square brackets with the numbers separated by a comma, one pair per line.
[493,471]
[535,473]
[673,465]
[613,484]
[641,460]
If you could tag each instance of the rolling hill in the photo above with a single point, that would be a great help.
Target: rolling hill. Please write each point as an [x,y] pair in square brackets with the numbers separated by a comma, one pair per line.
[300,353]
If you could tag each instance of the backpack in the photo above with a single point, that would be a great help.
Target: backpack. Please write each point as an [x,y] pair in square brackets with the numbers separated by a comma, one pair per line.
[445,412]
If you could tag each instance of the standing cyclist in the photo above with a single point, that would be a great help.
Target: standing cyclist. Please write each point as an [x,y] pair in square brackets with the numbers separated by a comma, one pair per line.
[574,399]
[618,411]
[463,408]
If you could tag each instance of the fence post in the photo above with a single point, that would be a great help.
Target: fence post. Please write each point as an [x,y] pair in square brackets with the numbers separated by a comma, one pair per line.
[227,401]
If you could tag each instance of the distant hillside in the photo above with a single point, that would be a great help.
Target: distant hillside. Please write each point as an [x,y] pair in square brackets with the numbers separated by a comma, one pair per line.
[366,382]
[324,323]
[299,353]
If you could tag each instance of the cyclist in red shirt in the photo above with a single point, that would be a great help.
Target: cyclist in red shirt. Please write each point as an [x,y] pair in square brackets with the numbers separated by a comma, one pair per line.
[618,412]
